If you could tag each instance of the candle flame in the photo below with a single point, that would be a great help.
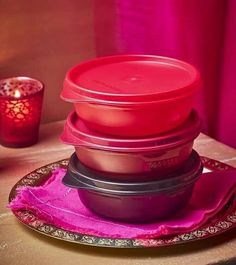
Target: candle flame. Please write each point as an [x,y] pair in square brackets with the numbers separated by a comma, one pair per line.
[17,94]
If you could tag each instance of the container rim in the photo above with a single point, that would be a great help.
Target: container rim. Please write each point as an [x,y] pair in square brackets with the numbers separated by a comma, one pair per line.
[77,137]
[70,82]
[89,179]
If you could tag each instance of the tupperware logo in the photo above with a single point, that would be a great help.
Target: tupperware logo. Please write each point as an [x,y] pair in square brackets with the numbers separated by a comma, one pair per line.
[165,163]
[113,88]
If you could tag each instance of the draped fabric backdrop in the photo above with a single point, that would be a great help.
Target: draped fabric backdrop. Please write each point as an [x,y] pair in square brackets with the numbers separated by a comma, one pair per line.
[201,32]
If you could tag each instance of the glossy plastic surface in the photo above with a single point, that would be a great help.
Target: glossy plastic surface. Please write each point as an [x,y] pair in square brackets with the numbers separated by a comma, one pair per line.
[137,120]
[130,78]
[124,95]
[158,155]
[133,201]
[136,208]
[156,164]
[76,132]
[90,179]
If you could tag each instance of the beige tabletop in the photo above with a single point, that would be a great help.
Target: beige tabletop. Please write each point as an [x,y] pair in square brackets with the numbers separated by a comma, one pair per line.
[19,245]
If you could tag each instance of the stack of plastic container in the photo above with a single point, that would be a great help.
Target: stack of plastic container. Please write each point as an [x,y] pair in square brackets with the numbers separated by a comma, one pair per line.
[133,130]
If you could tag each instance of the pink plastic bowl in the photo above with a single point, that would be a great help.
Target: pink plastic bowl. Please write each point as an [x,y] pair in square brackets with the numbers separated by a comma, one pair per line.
[159,155]
[126,95]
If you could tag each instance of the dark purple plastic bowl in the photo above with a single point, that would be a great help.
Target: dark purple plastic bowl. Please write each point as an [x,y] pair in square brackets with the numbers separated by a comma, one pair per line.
[134,202]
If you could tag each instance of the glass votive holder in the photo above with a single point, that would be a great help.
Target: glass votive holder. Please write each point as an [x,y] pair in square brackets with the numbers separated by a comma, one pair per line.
[21,101]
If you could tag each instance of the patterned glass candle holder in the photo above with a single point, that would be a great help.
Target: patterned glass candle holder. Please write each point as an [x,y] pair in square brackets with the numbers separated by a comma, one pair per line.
[20,111]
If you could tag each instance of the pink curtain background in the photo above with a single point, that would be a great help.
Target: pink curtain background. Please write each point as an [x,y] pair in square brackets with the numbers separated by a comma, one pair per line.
[201,32]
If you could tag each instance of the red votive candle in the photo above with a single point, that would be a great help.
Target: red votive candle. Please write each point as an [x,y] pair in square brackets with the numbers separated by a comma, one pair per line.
[20,111]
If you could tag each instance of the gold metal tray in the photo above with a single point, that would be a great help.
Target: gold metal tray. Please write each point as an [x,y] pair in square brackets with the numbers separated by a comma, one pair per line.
[222,222]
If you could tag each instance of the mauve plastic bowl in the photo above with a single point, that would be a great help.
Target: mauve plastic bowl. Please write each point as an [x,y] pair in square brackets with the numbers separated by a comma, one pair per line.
[156,156]
[125,95]
[135,202]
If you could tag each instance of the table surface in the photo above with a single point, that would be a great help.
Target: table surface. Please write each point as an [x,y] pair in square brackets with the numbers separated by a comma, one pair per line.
[19,245]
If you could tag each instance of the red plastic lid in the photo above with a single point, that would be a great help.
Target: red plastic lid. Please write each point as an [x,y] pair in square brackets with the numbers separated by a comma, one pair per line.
[77,133]
[130,78]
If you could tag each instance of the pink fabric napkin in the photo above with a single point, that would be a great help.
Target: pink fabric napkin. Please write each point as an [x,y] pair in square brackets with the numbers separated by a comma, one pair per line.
[61,206]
